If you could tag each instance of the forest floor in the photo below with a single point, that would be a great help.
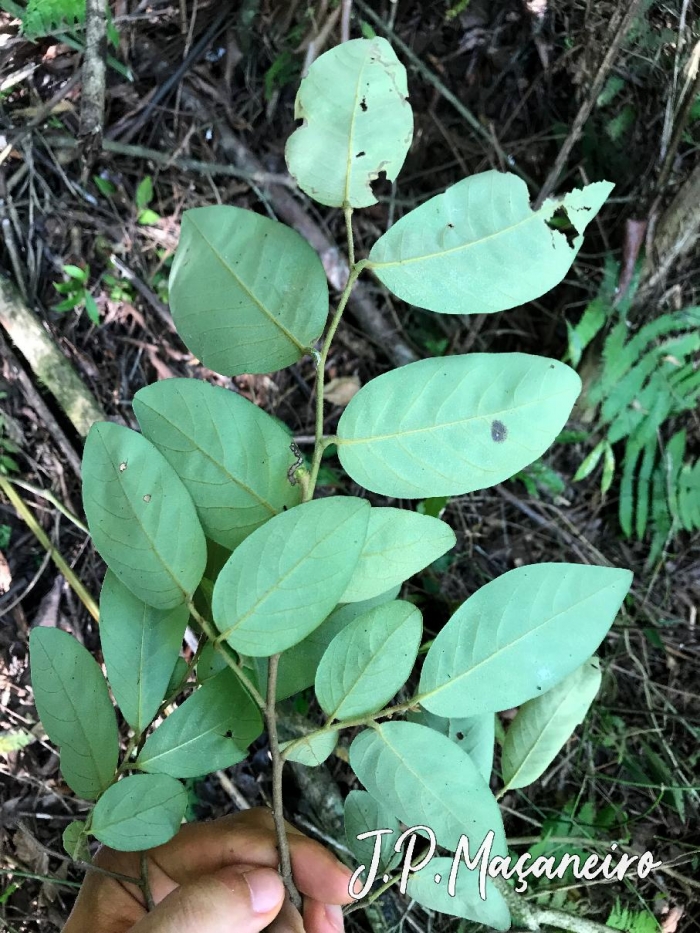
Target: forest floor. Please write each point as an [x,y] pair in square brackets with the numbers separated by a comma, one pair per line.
[199,104]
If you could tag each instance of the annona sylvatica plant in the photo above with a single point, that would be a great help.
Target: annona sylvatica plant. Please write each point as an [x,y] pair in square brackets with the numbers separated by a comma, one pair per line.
[208,517]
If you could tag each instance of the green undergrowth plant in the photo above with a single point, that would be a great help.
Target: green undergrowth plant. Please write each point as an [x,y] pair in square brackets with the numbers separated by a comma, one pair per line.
[645,378]
[48,17]
[76,293]
[63,19]
[208,517]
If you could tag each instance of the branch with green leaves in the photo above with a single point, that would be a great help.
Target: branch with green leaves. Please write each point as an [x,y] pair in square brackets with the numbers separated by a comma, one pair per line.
[207,517]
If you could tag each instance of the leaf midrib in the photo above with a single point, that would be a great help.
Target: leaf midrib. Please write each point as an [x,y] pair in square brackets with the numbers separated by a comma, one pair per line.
[373,438]
[244,288]
[426,257]
[279,580]
[183,744]
[361,673]
[351,130]
[158,805]
[420,778]
[487,660]
[224,469]
[136,515]
[540,738]
[574,687]
[78,720]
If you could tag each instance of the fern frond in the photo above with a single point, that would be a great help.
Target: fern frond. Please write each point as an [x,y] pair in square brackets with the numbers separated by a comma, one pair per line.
[620,354]
[644,479]
[647,378]
[662,522]
[46,17]
[626,508]
[669,471]
[689,496]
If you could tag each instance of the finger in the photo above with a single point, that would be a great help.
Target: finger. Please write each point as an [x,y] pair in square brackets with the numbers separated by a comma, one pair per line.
[202,848]
[193,845]
[322,918]
[225,901]
[263,818]
[106,905]
[117,905]
[288,920]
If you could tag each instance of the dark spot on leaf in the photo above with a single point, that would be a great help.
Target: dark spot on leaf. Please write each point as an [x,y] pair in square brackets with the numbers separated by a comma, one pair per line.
[539,688]
[360,154]
[499,432]
[451,226]
[228,734]
[363,105]
[460,736]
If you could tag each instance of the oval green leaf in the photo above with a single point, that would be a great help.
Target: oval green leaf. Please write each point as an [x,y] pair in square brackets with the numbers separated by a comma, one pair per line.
[207,732]
[75,840]
[479,248]
[475,735]
[311,750]
[180,672]
[543,725]
[140,646]
[357,123]
[449,425]
[284,579]
[139,812]
[520,635]
[75,709]
[364,814]
[369,660]
[231,455]
[247,294]
[211,663]
[425,779]
[142,520]
[466,901]
[399,543]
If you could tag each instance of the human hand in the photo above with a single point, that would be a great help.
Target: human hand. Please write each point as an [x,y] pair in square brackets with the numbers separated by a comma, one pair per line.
[217,877]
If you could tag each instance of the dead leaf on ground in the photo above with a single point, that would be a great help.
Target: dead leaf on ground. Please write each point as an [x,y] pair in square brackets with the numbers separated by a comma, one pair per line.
[339,391]
[30,851]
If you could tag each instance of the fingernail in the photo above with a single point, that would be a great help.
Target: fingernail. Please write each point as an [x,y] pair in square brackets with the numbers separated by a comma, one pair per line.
[266,890]
[334,915]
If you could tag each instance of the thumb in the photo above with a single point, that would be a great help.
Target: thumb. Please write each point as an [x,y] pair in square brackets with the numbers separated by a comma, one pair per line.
[218,903]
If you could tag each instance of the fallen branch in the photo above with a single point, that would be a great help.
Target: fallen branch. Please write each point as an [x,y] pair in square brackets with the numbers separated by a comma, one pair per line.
[26,515]
[47,362]
[92,101]
[169,160]
[676,235]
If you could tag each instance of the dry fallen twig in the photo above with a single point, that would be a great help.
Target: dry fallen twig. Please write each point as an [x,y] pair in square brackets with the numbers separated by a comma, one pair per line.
[92,101]
[47,362]
[624,21]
